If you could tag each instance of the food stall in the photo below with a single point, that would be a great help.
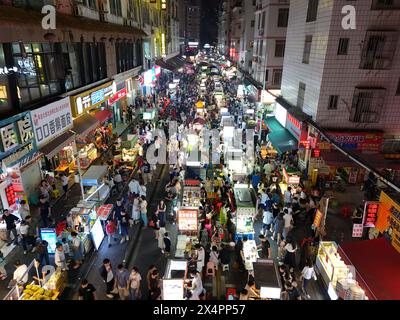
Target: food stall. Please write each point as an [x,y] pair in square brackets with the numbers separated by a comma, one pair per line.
[129,150]
[187,218]
[66,160]
[87,154]
[250,254]
[267,279]
[191,193]
[228,130]
[93,183]
[245,200]
[37,288]
[174,280]
[338,277]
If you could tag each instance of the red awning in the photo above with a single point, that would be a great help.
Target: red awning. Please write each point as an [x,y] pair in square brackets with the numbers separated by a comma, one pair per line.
[103,115]
[377,264]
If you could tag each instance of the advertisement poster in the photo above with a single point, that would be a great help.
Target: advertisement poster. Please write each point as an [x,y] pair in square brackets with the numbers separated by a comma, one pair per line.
[97,234]
[187,220]
[371,209]
[49,235]
[319,216]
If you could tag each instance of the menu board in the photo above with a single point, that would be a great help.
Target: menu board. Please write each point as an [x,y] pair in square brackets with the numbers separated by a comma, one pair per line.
[318,219]
[187,220]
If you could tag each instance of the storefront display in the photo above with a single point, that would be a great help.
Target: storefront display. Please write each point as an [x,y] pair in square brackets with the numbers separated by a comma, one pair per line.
[337,276]
[191,196]
[250,254]
[87,155]
[149,114]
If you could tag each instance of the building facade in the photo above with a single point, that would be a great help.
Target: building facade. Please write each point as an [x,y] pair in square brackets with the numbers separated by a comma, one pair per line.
[192,22]
[271,20]
[344,79]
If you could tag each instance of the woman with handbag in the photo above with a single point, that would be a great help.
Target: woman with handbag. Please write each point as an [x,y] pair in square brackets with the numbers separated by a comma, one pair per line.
[143,211]
[307,273]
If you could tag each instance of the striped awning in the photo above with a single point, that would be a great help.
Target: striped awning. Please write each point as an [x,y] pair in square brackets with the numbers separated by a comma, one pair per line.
[84,124]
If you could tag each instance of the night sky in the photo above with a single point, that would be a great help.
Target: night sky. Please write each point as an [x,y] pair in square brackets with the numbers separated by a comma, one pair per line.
[209,20]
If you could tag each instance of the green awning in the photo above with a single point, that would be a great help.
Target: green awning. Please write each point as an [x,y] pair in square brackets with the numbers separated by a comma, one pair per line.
[281,139]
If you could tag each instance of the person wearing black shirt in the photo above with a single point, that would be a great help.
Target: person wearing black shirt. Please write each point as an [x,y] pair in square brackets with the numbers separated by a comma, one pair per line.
[44,211]
[224,255]
[265,247]
[87,291]
[10,220]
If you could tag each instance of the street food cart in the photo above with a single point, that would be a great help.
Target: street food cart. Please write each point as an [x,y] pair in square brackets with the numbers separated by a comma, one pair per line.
[174,280]
[267,279]
[93,182]
[245,199]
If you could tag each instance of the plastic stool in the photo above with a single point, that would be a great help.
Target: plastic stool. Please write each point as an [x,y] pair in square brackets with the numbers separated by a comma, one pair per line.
[225,267]
[210,269]
[56,193]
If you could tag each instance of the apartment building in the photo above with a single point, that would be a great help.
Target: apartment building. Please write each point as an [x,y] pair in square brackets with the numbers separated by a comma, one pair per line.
[224,30]
[270,26]
[345,79]
[193,16]
[247,38]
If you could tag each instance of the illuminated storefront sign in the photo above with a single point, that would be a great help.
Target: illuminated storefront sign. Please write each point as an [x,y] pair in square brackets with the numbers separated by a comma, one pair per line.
[91,99]
[16,139]
[119,95]
[164,4]
[362,141]
[163,51]
[371,209]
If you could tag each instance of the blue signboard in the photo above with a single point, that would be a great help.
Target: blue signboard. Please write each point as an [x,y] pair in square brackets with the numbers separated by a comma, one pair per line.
[97,96]
[49,235]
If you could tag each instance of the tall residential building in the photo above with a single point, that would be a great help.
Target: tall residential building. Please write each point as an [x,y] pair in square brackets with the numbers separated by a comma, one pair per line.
[193,16]
[224,30]
[236,29]
[270,26]
[345,79]
[247,38]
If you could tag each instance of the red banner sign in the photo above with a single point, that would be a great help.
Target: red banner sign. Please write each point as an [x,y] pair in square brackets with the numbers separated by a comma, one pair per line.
[370,214]
[361,141]
[120,94]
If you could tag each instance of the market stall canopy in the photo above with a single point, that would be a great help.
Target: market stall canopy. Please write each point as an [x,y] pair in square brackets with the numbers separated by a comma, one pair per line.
[177,62]
[281,139]
[164,65]
[377,264]
[103,115]
[84,124]
[55,145]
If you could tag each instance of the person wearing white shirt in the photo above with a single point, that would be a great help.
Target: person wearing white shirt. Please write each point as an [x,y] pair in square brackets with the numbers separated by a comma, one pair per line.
[288,196]
[142,190]
[307,273]
[288,220]
[20,274]
[267,221]
[24,210]
[134,187]
[59,257]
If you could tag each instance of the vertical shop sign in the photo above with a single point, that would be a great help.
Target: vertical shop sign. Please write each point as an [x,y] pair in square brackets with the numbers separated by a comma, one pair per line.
[370,214]
[51,121]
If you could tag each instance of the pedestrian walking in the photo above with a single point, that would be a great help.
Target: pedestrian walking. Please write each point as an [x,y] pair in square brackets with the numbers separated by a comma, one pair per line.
[307,274]
[143,211]
[110,231]
[122,282]
[87,291]
[11,227]
[107,273]
[125,223]
[134,284]
[77,250]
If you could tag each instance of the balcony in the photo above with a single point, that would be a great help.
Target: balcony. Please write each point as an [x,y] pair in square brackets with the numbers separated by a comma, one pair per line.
[385,5]
[367,104]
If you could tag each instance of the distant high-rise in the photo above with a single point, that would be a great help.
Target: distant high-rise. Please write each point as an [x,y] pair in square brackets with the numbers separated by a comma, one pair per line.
[192,26]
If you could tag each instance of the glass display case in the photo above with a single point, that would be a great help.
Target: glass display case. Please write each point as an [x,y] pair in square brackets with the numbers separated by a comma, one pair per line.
[191,197]
[330,264]
[87,155]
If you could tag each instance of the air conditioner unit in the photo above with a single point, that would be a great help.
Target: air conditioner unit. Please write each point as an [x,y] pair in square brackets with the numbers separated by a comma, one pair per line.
[369,117]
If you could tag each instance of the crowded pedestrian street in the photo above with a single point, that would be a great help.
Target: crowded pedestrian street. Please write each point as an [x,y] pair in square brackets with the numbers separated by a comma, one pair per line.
[192,199]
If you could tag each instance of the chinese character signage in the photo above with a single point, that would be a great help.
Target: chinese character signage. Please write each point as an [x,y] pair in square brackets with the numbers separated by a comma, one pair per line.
[357,230]
[51,121]
[16,139]
[119,95]
[294,126]
[370,214]
[361,141]
[187,220]
[318,219]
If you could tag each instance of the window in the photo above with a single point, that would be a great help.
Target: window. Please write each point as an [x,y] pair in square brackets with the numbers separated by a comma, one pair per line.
[263,20]
[333,102]
[252,23]
[115,7]
[379,49]
[398,89]
[280,48]
[367,105]
[277,77]
[5,105]
[127,55]
[283,17]
[312,10]
[42,69]
[91,4]
[260,52]
[301,94]
[307,49]
[266,75]
[343,46]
